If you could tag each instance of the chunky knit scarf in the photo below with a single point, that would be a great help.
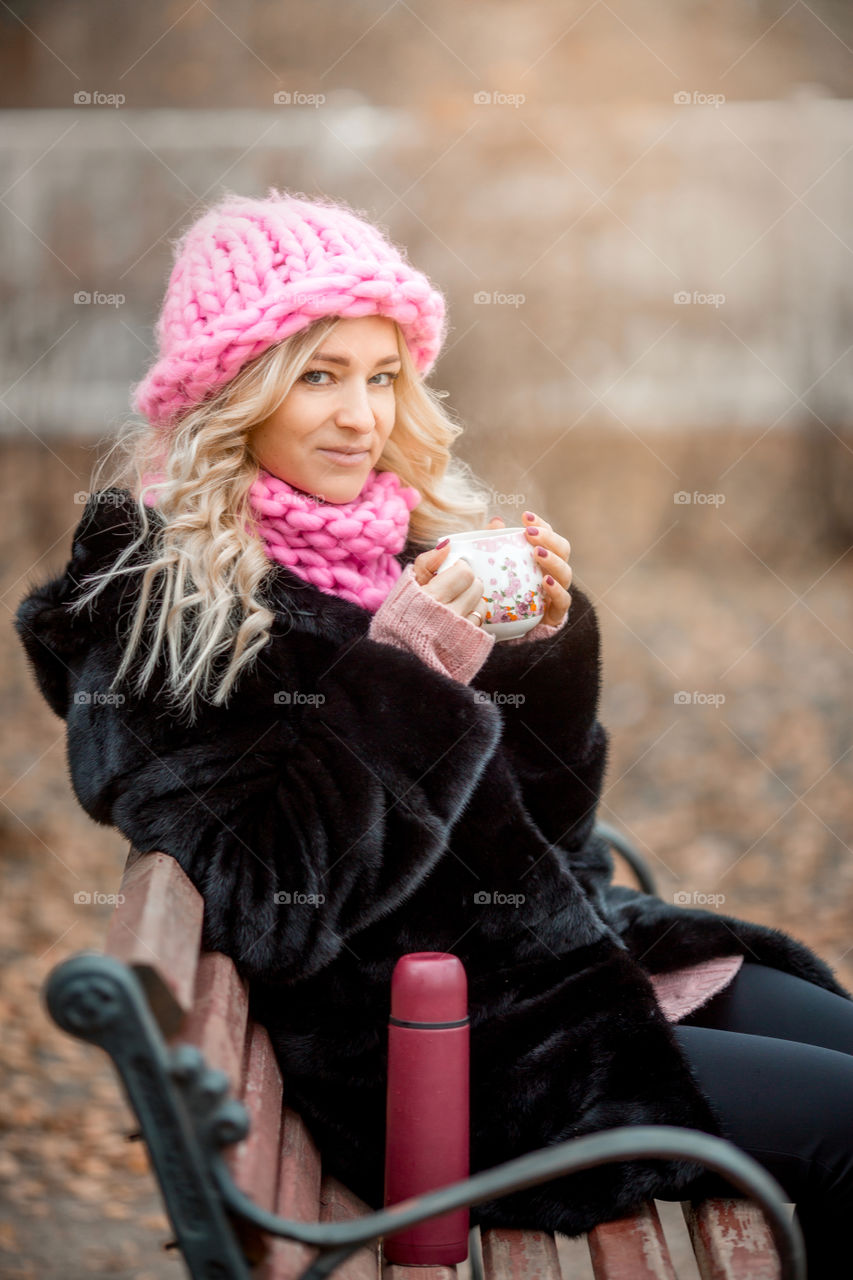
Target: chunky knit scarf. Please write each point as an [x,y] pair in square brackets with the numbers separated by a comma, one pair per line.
[346,549]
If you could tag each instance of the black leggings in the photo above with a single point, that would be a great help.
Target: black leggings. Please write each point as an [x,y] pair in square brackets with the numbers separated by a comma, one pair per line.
[774,1054]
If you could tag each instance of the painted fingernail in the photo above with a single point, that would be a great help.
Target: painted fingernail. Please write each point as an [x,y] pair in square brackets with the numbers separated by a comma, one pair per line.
[528,515]
[533,530]
[443,543]
[540,551]
[549,580]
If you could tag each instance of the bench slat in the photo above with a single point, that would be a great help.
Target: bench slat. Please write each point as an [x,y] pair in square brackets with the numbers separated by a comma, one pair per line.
[339,1204]
[298,1196]
[216,1023]
[510,1253]
[299,1170]
[731,1240]
[631,1248]
[157,931]
[254,1161]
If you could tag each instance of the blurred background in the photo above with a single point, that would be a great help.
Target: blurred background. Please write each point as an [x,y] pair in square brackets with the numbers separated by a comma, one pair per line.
[641,220]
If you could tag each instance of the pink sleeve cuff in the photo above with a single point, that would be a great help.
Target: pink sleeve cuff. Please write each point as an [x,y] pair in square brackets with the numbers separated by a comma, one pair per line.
[540,632]
[683,990]
[412,619]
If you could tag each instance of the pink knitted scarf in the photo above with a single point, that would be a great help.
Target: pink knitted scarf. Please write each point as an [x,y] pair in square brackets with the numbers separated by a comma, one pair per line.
[346,549]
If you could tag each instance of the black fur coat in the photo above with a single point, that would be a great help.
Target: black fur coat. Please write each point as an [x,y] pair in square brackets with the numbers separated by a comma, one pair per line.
[402,797]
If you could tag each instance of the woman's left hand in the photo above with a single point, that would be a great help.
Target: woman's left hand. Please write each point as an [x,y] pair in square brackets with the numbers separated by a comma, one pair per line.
[555,564]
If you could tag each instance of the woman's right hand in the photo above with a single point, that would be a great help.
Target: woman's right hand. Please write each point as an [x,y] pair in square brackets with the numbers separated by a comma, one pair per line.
[457,587]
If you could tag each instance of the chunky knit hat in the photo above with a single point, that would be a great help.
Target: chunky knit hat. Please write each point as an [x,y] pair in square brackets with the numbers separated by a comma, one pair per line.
[250,272]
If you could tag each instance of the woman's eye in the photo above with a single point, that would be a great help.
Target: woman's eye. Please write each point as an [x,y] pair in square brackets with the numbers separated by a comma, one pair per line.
[325,373]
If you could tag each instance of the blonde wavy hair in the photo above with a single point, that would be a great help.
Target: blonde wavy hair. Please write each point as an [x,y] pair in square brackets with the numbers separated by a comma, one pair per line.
[201,602]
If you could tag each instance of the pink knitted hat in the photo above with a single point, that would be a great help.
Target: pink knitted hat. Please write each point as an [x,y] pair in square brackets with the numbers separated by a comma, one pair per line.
[250,272]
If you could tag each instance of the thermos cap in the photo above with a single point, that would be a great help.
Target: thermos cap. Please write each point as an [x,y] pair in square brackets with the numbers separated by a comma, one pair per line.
[429,986]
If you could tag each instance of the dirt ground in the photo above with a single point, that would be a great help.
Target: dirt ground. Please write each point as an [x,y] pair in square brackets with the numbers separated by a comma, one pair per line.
[739,787]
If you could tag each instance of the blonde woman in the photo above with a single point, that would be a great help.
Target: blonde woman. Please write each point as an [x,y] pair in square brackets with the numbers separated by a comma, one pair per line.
[263,675]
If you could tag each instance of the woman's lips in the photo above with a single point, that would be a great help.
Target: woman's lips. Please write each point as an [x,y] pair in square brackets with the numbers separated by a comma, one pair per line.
[346,459]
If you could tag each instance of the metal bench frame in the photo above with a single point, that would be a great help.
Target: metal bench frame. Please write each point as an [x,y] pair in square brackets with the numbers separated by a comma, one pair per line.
[130,999]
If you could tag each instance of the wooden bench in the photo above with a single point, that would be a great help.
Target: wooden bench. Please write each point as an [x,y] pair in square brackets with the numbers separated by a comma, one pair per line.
[196,998]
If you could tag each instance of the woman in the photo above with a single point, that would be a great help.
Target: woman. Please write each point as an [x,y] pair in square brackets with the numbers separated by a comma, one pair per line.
[263,676]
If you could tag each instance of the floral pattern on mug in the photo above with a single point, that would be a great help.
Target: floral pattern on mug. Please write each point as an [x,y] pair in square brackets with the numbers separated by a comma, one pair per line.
[516,602]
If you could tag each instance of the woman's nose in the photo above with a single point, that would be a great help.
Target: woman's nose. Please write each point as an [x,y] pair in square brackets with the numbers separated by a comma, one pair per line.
[355,409]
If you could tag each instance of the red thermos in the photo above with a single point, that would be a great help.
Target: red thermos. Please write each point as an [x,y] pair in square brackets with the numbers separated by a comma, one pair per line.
[426,1143]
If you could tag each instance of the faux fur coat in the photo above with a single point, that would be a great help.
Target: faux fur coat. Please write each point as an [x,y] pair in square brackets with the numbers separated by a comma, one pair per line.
[351,805]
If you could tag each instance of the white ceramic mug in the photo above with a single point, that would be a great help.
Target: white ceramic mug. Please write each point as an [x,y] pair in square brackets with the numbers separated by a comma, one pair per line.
[513,595]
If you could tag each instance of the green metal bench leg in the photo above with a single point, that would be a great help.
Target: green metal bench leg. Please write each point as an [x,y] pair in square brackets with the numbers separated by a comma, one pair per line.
[176,1097]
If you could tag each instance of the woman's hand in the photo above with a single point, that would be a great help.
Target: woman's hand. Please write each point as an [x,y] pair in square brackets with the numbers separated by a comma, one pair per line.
[457,588]
[555,564]
[461,591]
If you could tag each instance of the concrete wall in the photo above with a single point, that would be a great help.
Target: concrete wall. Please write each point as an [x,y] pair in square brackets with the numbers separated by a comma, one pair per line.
[580,224]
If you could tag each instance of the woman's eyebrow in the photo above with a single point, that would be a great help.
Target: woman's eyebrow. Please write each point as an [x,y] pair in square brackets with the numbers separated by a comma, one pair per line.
[318,355]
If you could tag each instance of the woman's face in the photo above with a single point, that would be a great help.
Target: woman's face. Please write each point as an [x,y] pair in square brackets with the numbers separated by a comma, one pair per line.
[344,400]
